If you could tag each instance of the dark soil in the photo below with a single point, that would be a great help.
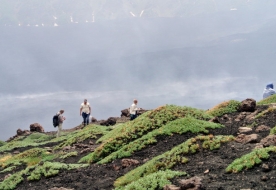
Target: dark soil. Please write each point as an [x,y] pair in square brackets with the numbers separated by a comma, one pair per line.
[103,176]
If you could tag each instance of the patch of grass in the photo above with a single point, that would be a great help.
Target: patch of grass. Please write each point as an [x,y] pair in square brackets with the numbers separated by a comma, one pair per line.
[29,157]
[48,169]
[142,125]
[180,126]
[8,169]
[2,143]
[249,160]
[33,140]
[172,157]
[90,131]
[153,181]
[273,131]
[70,154]
[268,100]
[224,108]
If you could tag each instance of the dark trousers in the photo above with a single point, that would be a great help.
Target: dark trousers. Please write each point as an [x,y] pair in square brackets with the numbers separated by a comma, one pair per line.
[132,116]
[85,117]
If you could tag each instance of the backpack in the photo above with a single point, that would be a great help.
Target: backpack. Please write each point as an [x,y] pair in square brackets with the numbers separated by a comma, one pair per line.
[55,120]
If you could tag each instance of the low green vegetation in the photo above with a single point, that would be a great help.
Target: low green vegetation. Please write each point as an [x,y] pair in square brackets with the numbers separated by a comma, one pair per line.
[90,131]
[249,160]
[179,126]
[268,100]
[70,154]
[172,157]
[273,131]
[142,125]
[47,169]
[153,181]
[2,143]
[224,108]
[28,157]
[33,140]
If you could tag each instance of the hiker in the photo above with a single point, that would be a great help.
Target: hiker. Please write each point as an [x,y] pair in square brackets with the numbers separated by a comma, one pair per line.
[268,91]
[133,110]
[61,118]
[85,111]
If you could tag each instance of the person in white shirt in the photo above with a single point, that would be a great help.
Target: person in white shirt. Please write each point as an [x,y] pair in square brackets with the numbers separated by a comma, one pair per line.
[133,110]
[61,118]
[85,111]
[268,91]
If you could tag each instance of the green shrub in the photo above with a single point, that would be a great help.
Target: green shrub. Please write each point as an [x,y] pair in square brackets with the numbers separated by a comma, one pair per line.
[224,108]
[70,154]
[90,131]
[153,181]
[135,129]
[268,100]
[249,160]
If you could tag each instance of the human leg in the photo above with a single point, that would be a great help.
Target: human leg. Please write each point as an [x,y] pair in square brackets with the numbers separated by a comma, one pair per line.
[87,119]
[59,130]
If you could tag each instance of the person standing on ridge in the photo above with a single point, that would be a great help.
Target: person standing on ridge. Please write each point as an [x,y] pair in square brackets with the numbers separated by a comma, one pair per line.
[61,118]
[133,110]
[268,91]
[85,111]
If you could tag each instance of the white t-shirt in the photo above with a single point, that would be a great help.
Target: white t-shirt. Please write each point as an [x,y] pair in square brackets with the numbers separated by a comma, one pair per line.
[85,108]
[133,108]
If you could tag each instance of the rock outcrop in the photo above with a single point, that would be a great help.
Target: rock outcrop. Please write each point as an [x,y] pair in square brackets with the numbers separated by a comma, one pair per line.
[36,127]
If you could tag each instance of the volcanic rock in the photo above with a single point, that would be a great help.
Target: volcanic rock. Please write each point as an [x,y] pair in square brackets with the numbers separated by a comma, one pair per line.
[36,127]
[247,105]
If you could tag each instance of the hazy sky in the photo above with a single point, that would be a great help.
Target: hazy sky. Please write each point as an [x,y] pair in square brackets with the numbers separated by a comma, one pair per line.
[198,61]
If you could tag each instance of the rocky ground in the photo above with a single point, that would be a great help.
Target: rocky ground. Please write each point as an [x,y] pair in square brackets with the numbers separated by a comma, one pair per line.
[207,166]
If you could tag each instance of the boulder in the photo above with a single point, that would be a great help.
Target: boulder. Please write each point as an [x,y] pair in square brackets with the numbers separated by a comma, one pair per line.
[269,140]
[214,120]
[19,132]
[125,113]
[244,129]
[109,122]
[129,162]
[247,105]
[36,127]
[93,120]
[193,183]
[262,128]
[242,138]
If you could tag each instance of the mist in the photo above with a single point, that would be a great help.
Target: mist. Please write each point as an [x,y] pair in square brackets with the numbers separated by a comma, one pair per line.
[196,61]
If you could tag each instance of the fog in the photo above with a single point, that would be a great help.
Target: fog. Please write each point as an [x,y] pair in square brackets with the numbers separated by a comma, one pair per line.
[198,61]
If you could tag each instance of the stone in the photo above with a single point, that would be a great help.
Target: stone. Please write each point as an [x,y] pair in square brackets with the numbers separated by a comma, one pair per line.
[265,168]
[19,132]
[206,171]
[171,187]
[244,129]
[16,152]
[194,183]
[264,178]
[129,162]
[93,120]
[214,120]
[269,140]
[66,148]
[36,127]
[242,138]
[262,128]
[247,105]
[109,122]
[125,113]
[87,150]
